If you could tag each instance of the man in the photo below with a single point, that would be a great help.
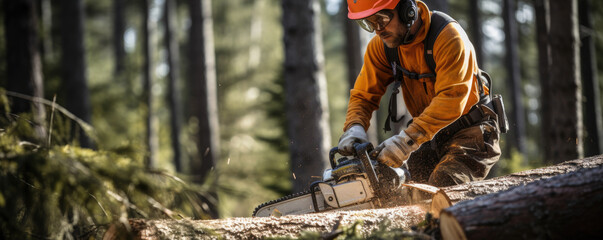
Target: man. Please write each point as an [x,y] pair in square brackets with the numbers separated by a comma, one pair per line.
[454,135]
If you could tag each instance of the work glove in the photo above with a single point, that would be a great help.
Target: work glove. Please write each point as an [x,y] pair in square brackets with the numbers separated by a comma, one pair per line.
[354,134]
[395,150]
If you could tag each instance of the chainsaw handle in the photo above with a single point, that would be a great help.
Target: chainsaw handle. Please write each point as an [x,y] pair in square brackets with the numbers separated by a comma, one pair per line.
[332,153]
[360,148]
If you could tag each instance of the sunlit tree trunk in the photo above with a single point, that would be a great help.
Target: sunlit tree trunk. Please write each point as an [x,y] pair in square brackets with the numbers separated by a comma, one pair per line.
[593,139]
[255,36]
[47,52]
[563,140]
[75,79]
[305,87]
[24,68]
[202,94]
[517,120]
[174,101]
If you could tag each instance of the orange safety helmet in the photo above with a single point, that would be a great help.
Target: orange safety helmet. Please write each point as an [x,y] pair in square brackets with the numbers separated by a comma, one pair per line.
[358,9]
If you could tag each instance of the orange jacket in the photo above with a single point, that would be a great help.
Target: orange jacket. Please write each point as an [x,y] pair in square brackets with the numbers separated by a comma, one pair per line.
[433,103]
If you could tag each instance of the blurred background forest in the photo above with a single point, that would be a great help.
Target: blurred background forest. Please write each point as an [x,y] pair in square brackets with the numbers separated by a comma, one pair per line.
[209,108]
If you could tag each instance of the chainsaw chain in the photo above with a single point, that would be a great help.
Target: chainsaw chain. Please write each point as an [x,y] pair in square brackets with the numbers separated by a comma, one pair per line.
[280,200]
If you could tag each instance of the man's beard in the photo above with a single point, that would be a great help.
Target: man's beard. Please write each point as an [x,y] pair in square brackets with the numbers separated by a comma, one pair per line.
[392,40]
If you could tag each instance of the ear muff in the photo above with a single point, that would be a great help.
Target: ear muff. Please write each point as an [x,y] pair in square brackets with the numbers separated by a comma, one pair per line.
[407,11]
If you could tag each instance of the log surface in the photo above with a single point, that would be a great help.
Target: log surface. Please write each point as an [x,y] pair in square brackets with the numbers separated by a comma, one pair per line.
[401,217]
[472,190]
[567,206]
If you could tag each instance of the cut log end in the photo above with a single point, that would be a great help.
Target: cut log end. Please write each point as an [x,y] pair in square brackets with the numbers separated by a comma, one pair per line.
[450,227]
[439,201]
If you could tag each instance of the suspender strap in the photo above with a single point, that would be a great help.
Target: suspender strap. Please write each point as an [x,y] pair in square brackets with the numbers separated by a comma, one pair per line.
[439,20]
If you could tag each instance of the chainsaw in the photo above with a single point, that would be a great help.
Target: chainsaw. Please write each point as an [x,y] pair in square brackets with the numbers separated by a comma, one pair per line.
[353,183]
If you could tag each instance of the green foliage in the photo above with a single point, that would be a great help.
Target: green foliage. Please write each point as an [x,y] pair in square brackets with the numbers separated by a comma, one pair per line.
[61,191]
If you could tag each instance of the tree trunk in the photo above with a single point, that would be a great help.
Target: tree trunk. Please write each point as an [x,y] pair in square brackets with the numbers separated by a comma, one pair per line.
[513,78]
[75,80]
[265,227]
[174,101]
[472,190]
[565,102]
[541,9]
[562,207]
[202,89]
[476,31]
[147,84]
[119,25]
[24,68]
[47,52]
[305,87]
[255,36]
[593,139]
[400,217]
[202,94]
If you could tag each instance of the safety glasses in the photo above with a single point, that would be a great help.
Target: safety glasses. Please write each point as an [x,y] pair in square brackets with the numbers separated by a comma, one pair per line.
[377,21]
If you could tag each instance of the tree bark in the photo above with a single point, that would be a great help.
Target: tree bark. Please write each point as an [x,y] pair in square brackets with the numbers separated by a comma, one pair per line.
[401,216]
[147,84]
[476,31]
[265,227]
[472,190]
[567,206]
[23,64]
[565,103]
[541,9]
[305,87]
[202,96]
[202,89]
[75,79]
[593,123]
[514,78]
[174,101]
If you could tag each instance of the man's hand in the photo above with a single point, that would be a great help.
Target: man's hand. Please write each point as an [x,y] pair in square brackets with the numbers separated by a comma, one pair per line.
[395,150]
[354,134]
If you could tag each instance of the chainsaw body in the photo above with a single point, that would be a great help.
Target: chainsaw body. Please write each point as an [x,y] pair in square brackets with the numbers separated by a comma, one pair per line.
[353,183]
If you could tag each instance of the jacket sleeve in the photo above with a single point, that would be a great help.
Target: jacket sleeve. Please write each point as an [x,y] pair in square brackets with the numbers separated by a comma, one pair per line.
[370,85]
[455,91]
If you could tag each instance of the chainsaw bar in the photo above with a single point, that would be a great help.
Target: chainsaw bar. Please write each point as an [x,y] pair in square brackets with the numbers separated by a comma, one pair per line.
[282,199]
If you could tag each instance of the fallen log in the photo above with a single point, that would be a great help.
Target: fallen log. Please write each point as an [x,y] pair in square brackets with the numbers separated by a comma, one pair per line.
[401,217]
[562,207]
[472,190]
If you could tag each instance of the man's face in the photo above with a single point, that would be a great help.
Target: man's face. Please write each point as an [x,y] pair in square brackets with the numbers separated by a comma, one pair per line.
[393,33]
